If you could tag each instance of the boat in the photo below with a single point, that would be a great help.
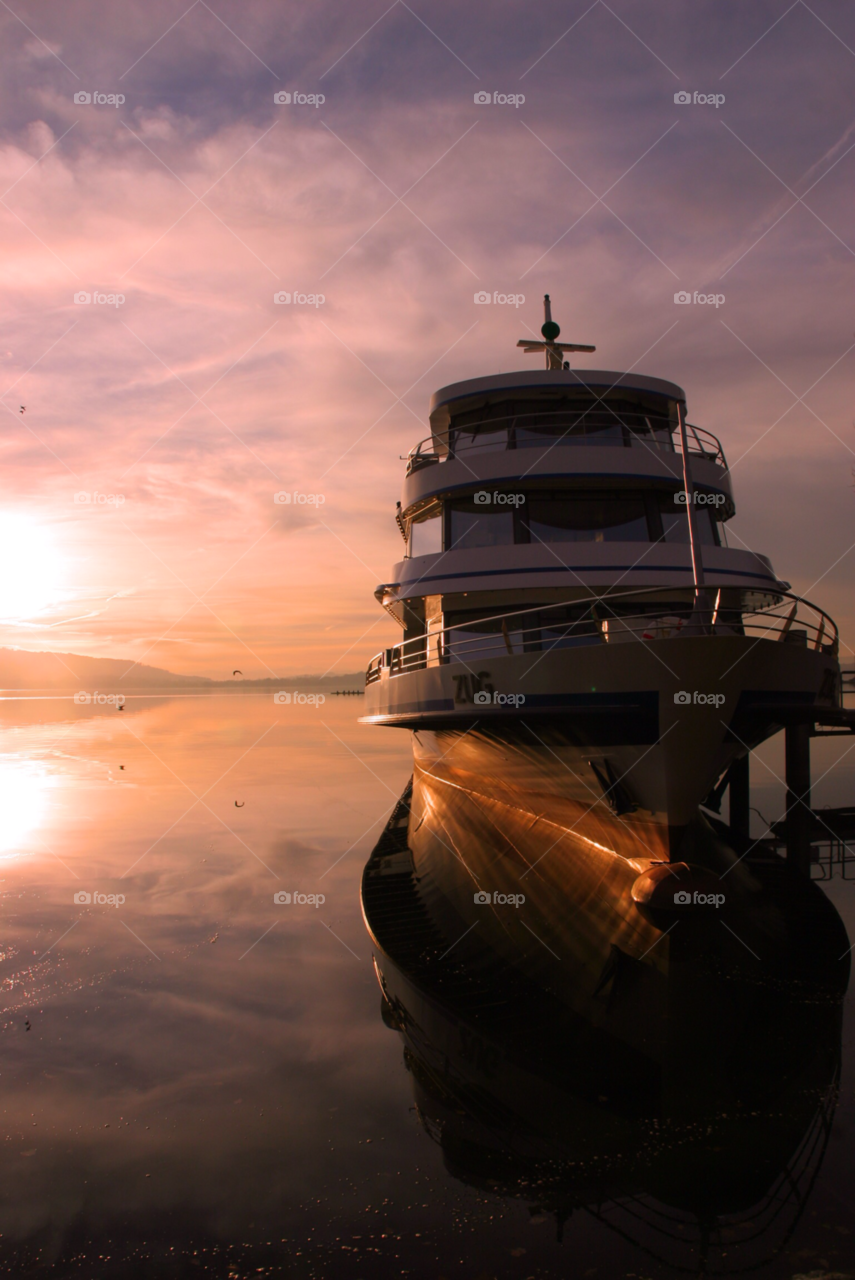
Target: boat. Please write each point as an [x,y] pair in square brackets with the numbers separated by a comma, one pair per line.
[586,663]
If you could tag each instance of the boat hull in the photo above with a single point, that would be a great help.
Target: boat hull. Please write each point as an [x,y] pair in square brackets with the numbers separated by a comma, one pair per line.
[621,741]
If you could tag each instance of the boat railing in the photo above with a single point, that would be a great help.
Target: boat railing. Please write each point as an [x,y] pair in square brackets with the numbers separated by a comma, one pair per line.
[501,434]
[640,616]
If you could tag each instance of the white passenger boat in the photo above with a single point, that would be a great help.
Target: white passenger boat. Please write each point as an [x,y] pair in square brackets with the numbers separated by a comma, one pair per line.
[584,656]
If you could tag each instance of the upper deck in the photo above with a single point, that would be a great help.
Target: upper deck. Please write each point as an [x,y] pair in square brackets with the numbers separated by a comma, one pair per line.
[558,422]
[596,386]
[530,476]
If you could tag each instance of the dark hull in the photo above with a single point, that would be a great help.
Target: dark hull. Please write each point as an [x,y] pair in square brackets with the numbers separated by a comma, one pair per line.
[606,739]
[578,935]
[578,918]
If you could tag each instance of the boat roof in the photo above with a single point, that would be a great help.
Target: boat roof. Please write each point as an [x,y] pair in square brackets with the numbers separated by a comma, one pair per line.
[530,379]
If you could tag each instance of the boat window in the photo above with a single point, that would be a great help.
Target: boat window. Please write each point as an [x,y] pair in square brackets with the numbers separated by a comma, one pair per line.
[605,429]
[426,534]
[619,416]
[675,524]
[476,525]
[588,518]
[488,436]
[480,634]
[647,431]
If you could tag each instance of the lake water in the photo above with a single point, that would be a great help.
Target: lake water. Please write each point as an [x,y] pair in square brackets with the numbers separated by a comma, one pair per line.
[196,1079]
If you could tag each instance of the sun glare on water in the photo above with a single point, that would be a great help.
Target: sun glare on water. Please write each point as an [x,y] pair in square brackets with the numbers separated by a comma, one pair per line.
[30,568]
[23,801]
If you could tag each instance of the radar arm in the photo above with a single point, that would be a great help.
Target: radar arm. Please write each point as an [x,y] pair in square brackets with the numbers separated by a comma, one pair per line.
[553,350]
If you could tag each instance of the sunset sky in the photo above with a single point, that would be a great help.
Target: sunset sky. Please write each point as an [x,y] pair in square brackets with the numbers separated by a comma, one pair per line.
[182,410]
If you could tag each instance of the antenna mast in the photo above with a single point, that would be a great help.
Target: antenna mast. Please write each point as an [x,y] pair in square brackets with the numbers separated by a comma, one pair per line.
[553,350]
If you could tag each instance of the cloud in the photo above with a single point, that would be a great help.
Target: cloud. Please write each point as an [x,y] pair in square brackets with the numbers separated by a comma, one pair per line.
[198,397]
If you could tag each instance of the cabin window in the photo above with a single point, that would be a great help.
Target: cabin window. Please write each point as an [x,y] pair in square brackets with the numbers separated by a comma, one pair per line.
[426,534]
[473,525]
[617,416]
[485,436]
[587,518]
[675,524]
[602,429]
[647,429]
[550,516]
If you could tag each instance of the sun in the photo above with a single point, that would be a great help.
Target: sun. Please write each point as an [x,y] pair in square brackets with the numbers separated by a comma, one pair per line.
[31,568]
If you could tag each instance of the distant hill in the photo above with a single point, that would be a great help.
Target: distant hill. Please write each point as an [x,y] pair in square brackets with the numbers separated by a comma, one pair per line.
[21,669]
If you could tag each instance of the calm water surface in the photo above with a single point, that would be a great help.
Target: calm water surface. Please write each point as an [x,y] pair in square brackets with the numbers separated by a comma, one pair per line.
[197,1079]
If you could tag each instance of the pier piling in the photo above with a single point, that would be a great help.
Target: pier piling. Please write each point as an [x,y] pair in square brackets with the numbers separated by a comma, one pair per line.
[797,753]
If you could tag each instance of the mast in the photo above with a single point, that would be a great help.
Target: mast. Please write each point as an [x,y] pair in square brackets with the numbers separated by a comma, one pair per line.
[701,600]
[553,350]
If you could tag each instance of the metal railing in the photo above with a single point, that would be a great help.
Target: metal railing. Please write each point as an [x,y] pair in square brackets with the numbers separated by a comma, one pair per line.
[640,616]
[500,434]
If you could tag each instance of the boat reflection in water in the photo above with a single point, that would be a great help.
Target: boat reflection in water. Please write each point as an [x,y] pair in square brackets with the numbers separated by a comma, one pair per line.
[684,1097]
